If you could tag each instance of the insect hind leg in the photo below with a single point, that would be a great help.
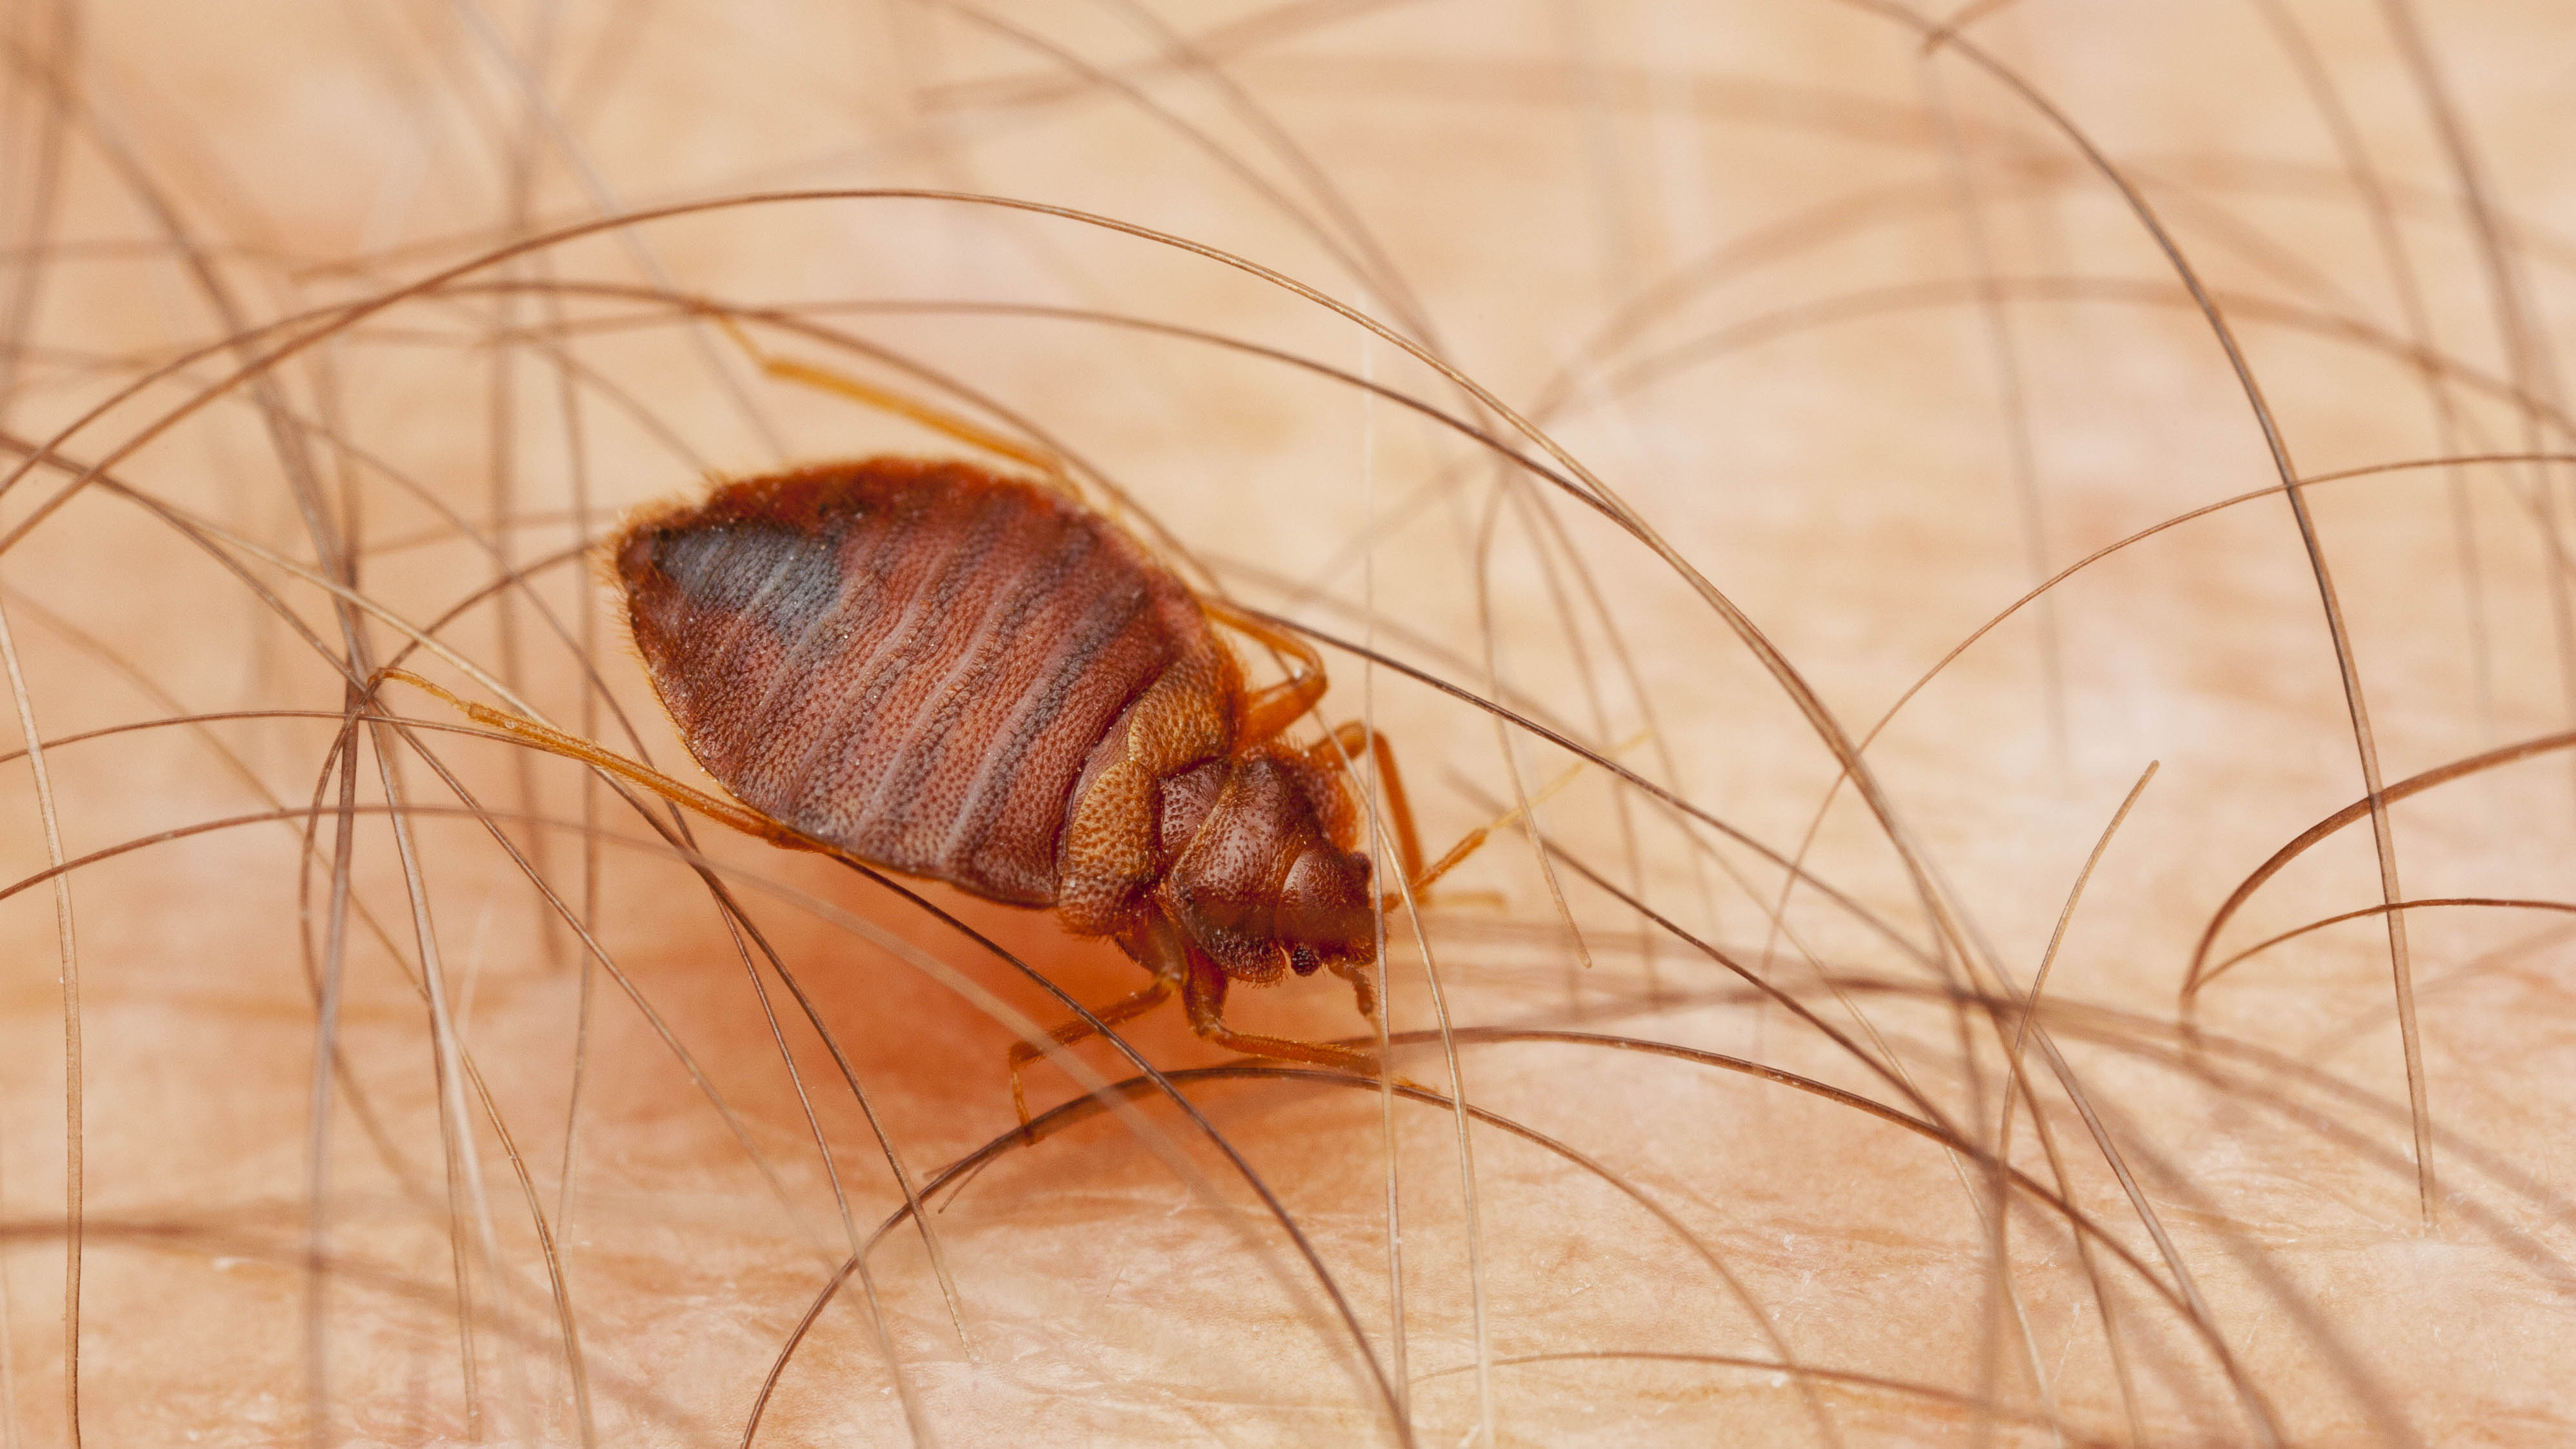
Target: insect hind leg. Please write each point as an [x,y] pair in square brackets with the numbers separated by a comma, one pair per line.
[546,737]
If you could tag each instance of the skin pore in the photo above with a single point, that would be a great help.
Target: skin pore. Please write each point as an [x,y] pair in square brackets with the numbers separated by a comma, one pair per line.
[1850,335]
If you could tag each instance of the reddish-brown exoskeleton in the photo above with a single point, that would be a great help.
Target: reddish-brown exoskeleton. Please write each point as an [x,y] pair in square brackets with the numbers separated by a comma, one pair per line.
[936,669]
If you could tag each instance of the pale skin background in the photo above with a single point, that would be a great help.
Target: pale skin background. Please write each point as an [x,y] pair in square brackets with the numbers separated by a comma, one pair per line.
[1865,338]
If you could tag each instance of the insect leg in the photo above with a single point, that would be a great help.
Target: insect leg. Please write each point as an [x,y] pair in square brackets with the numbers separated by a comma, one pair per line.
[1345,743]
[1268,711]
[1126,1008]
[1204,995]
[1474,840]
[573,747]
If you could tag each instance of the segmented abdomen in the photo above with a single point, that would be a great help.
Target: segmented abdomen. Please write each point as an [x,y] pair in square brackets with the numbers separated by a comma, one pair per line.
[913,661]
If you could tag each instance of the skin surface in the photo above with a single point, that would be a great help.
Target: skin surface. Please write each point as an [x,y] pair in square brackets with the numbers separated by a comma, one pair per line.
[1853,347]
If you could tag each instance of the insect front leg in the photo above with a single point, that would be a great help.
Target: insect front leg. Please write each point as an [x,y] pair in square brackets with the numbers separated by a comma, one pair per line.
[1468,844]
[1344,745]
[1155,944]
[1126,1008]
[1204,997]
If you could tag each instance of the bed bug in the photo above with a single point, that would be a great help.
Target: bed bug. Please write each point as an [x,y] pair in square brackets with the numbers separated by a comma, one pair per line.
[946,672]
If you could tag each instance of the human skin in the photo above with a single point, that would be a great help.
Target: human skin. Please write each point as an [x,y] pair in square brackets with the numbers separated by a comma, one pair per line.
[1862,344]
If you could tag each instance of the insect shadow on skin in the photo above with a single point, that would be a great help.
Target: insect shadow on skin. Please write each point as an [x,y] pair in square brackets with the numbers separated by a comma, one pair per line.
[935,669]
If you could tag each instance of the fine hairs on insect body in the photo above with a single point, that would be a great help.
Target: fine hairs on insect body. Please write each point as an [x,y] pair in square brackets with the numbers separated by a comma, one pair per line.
[2001,566]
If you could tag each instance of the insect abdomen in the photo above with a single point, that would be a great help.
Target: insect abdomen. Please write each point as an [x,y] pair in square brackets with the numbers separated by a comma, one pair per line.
[912,661]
